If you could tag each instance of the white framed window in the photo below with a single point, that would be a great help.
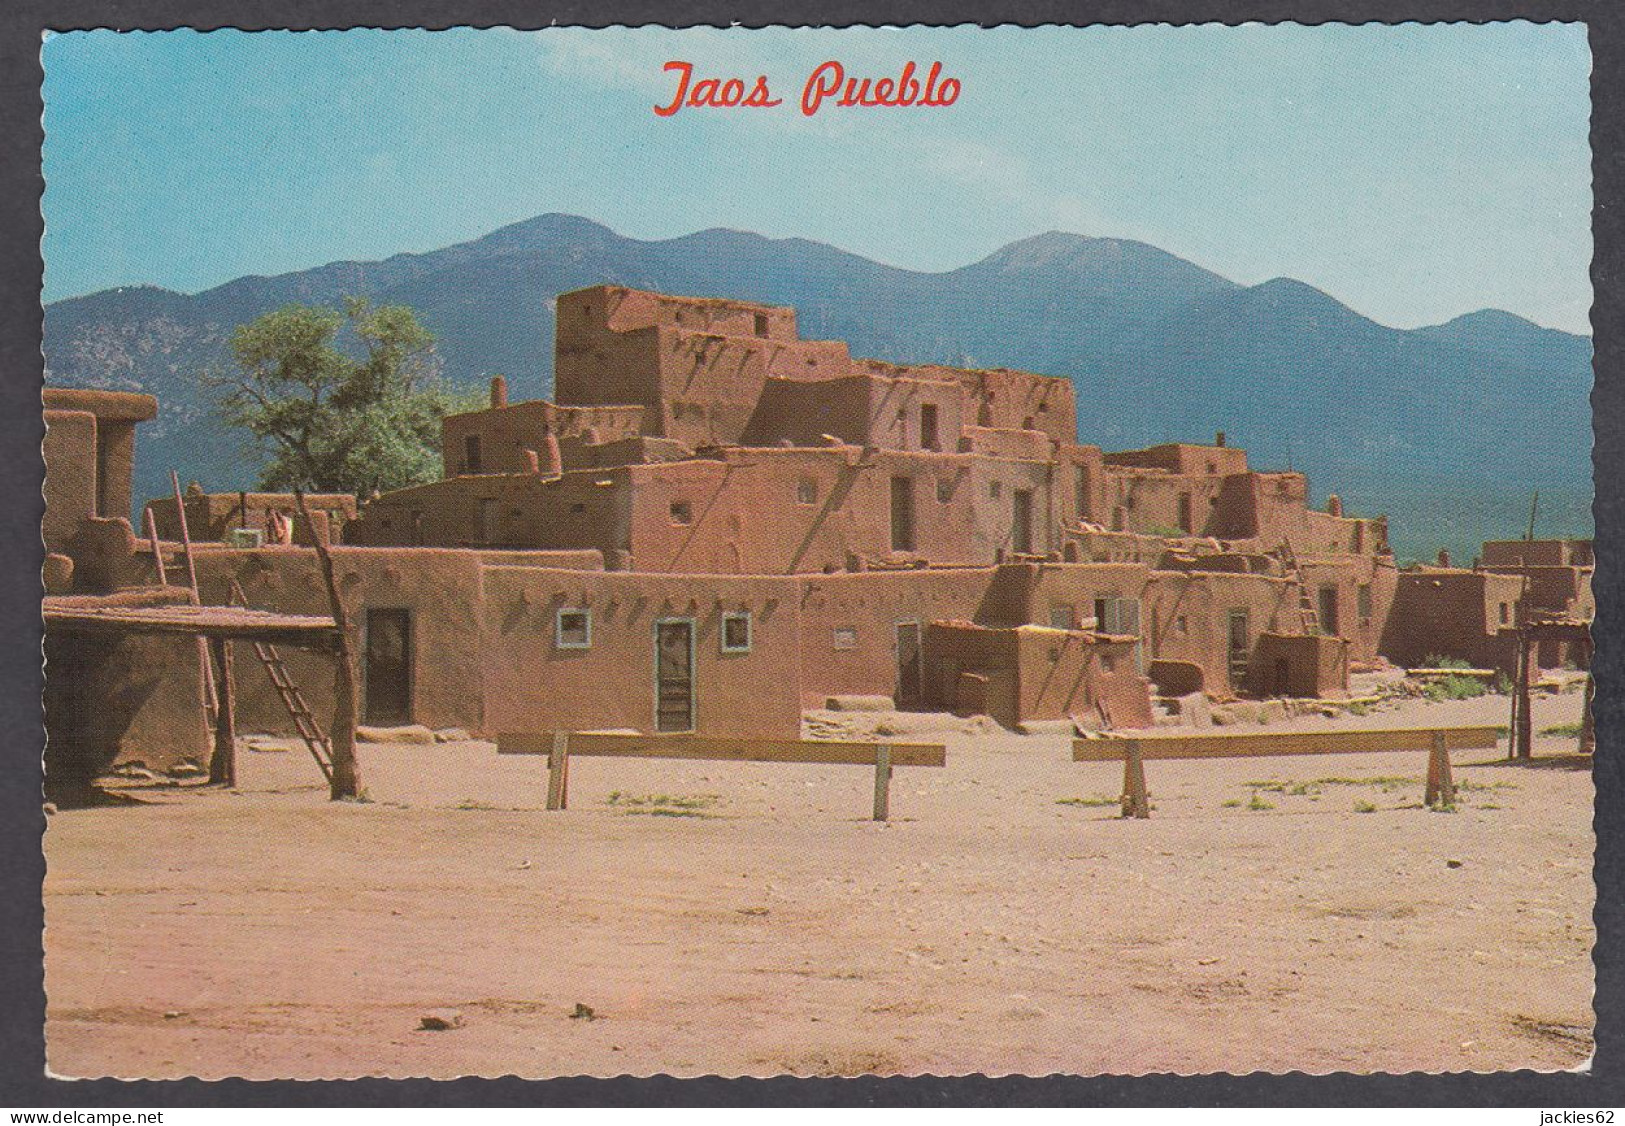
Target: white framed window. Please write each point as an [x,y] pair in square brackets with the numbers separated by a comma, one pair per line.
[846,637]
[807,491]
[572,628]
[736,631]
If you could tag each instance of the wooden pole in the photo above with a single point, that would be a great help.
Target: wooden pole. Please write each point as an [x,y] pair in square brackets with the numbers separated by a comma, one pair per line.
[1441,787]
[882,783]
[1525,729]
[346,779]
[223,763]
[157,547]
[209,696]
[558,766]
[1136,802]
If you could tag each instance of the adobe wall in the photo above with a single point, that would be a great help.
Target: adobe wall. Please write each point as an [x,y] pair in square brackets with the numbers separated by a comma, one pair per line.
[570,513]
[210,517]
[1325,534]
[1050,594]
[70,474]
[1184,459]
[531,684]
[1536,553]
[1185,617]
[1348,576]
[111,447]
[1454,614]
[134,699]
[1005,399]
[1148,501]
[867,607]
[862,410]
[441,589]
[1302,665]
[506,433]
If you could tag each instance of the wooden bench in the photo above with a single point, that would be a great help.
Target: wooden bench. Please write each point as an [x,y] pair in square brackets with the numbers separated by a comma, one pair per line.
[561,746]
[1134,750]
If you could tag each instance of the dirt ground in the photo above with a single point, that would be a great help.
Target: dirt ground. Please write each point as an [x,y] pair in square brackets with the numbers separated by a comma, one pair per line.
[749,919]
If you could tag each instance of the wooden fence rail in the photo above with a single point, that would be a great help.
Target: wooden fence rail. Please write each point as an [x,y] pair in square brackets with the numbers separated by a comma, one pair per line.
[561,746]
[1134,751]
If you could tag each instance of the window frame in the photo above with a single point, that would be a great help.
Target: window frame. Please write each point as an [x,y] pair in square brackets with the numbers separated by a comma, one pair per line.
[729,616]
[559,641]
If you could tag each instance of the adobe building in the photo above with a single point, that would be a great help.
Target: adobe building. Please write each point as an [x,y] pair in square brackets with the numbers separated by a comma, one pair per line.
[89,456]
[719,525]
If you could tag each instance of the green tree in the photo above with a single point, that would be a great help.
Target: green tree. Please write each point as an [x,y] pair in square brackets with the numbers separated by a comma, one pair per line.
[332,420]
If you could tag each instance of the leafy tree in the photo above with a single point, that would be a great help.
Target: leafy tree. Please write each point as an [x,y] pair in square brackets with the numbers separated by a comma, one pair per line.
[336,420]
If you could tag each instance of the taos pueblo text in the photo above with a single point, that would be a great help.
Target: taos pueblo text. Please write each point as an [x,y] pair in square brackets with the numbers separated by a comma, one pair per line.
[829,83]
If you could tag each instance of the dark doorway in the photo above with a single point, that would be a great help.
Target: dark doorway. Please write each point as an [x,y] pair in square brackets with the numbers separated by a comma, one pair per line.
[1021,528]
[1239,647]
[674,675]
[388,670]
[902,514]
[1328,612]
[472,461]
[928,426]
[910,666]
[1186,523]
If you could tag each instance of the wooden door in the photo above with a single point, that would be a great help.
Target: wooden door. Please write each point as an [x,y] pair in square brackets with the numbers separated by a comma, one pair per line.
[674,675]
[910,665]
[388,672]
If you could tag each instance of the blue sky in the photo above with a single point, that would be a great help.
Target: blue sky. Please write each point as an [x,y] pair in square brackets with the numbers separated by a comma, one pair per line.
[1414,172]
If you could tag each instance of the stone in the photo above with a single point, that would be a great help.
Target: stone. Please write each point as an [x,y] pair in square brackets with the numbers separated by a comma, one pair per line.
[440,1020]
[412,733]
[186,769]
[1272,711]
[452,735]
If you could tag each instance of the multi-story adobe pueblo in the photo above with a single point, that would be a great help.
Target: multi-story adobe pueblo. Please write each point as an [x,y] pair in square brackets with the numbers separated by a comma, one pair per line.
[718,525]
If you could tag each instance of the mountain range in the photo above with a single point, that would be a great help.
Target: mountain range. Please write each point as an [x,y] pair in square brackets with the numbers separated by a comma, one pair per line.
[1447,429]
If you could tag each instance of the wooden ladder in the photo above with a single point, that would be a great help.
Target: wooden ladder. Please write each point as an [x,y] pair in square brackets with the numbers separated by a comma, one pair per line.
[304,721]
[1307,613]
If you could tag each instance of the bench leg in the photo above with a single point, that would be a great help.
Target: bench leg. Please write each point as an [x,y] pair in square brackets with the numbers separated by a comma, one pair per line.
[1441,788]
[558,771]
[882,783]
[1136,803]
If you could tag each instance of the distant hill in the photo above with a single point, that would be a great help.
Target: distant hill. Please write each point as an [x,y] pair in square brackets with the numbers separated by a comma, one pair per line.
[1448,429]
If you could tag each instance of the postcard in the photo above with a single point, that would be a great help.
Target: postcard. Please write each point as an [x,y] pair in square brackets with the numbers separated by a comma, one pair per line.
[818,552]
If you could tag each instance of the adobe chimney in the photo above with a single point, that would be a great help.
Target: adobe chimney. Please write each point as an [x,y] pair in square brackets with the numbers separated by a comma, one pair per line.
[552,462]
[1218,439]
[499,391]
[1334,505]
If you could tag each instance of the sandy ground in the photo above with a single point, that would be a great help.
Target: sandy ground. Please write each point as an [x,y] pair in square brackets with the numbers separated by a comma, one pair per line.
[750,920]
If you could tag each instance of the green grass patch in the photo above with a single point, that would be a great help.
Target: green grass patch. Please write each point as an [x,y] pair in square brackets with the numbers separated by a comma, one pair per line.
[1364,807]
[1094,802]
[1434,661]
[1562,730]
[1455,688]
[664,805]
[1257,803]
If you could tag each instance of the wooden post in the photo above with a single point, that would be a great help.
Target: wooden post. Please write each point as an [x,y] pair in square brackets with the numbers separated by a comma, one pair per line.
[1588,722]
[1136,802]
[558,771]
[223,763]
[157,549]
[1441,787]
[346,779]
[882,783]
[1523,734]
[209,695]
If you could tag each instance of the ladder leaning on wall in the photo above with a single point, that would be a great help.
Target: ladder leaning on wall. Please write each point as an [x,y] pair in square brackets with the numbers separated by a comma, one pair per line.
[304,721]
[1307,614]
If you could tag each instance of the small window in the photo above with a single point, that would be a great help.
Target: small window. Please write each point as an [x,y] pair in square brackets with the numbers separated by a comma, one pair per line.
[736,632]
[1365,602]
[945,490]
[578,508]
[1506,612]
[472,461]
[761,324]
[572,629]
[682,512]
[995,489]
[807,491]
[846,637]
